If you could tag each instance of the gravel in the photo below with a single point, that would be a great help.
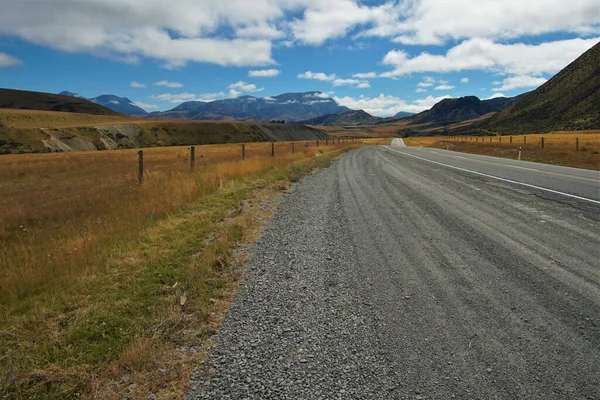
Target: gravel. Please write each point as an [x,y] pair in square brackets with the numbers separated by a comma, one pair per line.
[381,278]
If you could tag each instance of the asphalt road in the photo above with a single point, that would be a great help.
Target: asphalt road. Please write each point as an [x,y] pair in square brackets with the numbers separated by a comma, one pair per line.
[392,276]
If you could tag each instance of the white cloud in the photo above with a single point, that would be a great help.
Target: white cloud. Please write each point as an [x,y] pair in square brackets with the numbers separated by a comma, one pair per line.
[444,86]
[263,73]
[368,75]
[262,30]
[495,96]
[519,59]
[436,22]
[385,105]
[233,93]
[519,81]
[363,85]
[244,87]
[145,106]
[464,80]
[173,85]
[8,60]
[175,98]
[420,90]
[319,76]
[137,85]
[427,82]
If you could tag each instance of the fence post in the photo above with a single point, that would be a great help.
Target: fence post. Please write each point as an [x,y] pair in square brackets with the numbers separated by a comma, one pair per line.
[272,149]
[307,144]
[140,166]
[524,139]
[542,143]
[511,139]
[490,139]
[499,139]
[317,143]
[576,143]
[192,157]
[243,151]
[292,147]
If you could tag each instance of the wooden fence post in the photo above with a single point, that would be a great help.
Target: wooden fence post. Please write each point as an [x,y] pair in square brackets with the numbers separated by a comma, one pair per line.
[511,139]
[140,166]
[307,144]
[192,157]
[542,143]
[576,143]
[272,149]
[243,151]
[524,139]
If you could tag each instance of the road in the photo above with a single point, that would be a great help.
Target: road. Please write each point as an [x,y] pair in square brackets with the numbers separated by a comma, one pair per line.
[403,273]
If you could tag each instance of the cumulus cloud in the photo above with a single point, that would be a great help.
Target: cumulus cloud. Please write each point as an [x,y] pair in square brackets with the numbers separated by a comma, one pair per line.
[464,80]
[145,106]
[420,90]
[263,73]
[174,85]
[175,98]
[137,85]
[368,75]
[443,85]
[434,22]
[426,82]
[385,105]
[244,87]
[8,60]
[519,81]
[319,76]
[346,82]
[484,54]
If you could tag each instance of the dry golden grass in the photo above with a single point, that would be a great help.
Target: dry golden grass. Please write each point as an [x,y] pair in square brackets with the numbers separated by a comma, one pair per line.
[559,147]
[95,268]
[26,119]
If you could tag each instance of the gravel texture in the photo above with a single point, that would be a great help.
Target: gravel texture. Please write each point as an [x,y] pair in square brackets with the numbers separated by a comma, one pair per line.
[385,277]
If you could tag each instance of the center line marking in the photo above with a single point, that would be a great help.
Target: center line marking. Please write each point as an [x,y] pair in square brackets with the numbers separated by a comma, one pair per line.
[497,177]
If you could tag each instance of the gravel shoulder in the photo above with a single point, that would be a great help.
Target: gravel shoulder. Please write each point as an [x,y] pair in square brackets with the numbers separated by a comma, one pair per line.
[384,276]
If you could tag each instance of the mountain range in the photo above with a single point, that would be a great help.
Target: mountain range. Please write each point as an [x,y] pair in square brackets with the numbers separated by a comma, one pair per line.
[289,107]
[121,105]
[349,118]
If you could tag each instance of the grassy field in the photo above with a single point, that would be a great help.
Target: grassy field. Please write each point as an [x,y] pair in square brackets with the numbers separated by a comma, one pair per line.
[560,148]
[111,289]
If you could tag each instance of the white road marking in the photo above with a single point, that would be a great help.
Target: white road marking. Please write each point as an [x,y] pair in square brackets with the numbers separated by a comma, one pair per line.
[497,177]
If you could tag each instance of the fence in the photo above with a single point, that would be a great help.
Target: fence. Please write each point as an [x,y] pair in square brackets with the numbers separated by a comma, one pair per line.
[531,141]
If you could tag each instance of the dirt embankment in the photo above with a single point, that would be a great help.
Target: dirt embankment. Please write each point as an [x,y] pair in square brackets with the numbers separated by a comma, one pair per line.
[149,134]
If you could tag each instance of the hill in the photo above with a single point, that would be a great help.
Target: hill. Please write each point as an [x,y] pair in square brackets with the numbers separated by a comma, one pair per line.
[119,104]
[569,101]
[403,114]
[289,107]
[451,111]
[45,131]
[26,100]
[350,118]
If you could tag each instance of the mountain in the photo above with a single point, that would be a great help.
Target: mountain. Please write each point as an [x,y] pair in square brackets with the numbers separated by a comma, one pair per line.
[403,114]
[26,100]
[568,101]
[450,111]
[119,104]
[290,107]
[350,118]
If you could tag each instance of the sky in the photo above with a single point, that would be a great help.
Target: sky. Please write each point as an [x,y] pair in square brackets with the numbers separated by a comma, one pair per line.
[383,56]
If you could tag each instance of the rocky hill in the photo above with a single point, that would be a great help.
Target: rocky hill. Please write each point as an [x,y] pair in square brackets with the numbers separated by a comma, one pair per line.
[350,118]
[26,100]
[119,104]
[568,101]
[289,107]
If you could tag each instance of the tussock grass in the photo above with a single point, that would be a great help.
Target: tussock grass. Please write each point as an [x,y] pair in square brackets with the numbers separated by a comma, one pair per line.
[111,289]
[559,147]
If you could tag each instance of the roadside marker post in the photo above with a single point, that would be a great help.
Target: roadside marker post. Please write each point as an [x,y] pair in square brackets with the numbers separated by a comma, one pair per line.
[519,153]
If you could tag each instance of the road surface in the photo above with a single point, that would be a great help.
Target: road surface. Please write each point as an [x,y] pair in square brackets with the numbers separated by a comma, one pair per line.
[403,273]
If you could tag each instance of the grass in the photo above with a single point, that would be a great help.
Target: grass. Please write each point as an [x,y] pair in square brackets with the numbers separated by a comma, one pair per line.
[559,147]
[110,289]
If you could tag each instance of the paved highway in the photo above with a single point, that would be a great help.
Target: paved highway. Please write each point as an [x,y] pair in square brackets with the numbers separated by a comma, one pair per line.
[403,273]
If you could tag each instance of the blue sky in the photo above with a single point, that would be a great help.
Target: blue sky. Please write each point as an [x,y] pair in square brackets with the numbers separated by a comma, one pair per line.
[382,56]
